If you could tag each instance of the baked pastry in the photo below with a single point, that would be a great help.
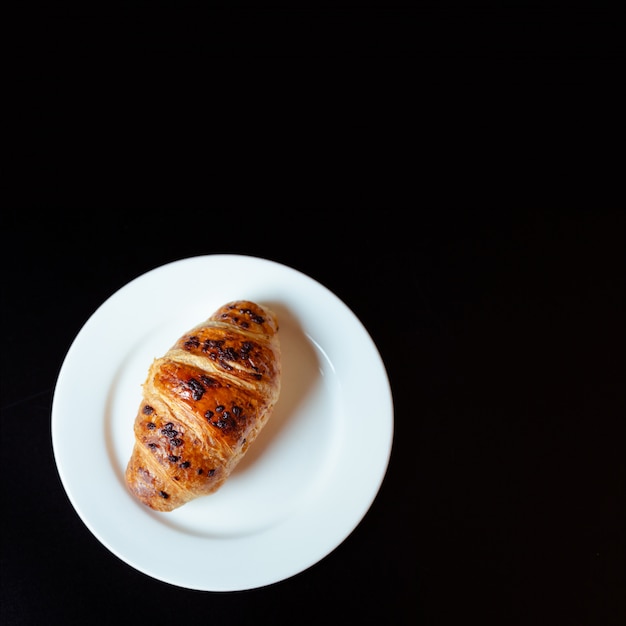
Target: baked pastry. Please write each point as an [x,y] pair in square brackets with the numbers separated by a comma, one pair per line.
[204,402]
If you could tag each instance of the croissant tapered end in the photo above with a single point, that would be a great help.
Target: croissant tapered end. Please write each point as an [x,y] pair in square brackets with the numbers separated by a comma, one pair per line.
[148,487]
[248,315]
[204,402]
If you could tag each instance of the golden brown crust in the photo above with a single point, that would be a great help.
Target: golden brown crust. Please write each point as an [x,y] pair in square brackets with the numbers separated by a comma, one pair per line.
[203,403]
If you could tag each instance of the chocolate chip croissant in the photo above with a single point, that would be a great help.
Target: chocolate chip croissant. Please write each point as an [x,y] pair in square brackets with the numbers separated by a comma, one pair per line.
[204,402]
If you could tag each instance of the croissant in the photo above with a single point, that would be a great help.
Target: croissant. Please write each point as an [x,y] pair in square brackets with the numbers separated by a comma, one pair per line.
[204,402]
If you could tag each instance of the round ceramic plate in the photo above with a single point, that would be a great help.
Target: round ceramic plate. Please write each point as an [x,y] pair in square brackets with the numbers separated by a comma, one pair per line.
[305,483]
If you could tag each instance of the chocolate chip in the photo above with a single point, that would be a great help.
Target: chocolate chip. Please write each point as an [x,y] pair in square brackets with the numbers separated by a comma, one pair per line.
[197,388]
[192,342]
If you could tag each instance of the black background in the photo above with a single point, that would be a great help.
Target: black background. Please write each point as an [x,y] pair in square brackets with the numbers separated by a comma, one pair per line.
[447,170]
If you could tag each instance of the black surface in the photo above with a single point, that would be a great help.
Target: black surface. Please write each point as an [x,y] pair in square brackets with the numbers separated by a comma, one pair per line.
[501,327]
[504,343]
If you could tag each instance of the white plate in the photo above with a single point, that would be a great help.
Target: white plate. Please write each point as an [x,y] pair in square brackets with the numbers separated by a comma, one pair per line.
[305,483]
